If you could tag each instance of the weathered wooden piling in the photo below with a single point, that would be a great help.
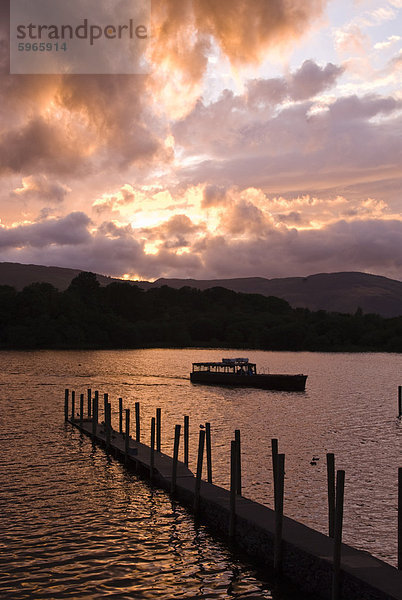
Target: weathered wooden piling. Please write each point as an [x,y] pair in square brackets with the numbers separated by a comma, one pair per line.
[209,451]
[73,405]
[331,493]
[81,408]
[233,488]
[400,518]
[175,458]
[186,438]
[336,578]
[238,462]
[152,453]
[197,485]
[105,403]
[274,451]
[89,403]
[158,429]
[399,401]
[120,415]
[279,493]
[108,423]
[66,394]
[137,422]
[95,409]
[127,435]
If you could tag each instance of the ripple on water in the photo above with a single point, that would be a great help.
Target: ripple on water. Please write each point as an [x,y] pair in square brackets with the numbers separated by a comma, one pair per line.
[75,524]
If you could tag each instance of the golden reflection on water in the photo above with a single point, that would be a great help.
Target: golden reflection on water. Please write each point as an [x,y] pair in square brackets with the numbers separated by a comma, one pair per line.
[76,524]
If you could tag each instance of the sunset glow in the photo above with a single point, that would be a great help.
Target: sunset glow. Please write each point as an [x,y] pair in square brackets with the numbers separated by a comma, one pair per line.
[260,144]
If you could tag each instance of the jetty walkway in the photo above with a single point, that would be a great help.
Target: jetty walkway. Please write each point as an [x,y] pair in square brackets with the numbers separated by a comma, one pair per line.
[320,565]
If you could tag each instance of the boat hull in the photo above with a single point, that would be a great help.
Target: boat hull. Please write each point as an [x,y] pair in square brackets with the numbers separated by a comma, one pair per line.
[291,383]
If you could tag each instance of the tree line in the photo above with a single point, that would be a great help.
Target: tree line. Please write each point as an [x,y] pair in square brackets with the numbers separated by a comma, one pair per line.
[122,315]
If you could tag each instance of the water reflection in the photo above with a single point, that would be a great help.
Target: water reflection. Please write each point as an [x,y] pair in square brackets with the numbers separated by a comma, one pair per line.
[76,524]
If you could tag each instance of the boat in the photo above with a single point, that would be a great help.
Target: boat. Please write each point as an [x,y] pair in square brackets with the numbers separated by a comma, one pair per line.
[239,372]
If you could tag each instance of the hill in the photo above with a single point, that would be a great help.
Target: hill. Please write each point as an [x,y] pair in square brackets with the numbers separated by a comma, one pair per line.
[337,292]
[333,292]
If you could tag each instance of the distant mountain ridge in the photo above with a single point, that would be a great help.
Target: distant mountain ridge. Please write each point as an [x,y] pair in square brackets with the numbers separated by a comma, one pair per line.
[334,292]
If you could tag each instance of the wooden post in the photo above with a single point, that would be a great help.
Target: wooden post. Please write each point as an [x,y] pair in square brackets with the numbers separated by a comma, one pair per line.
[158,429]
[238,461]
[274,448]
[331,493]
[94,415]
[209,451]
[152,457]
[340,487]
[108,423]
[127,435]
[120,415]
[175,458]
[280,485]
[197,488]
[137,422]
[97,405]
[66,393]
[186,438]
[399,401]
[89,402]
[233,488]
[400,518]
[105,403]
[72,405]
[81,409]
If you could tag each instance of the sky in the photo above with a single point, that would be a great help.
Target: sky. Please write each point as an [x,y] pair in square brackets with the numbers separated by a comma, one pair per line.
[266,141]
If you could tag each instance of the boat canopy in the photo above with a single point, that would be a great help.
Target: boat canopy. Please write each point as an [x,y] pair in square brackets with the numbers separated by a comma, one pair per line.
[228,365]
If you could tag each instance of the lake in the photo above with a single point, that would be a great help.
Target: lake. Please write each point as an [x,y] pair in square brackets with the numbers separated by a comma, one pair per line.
[77,524]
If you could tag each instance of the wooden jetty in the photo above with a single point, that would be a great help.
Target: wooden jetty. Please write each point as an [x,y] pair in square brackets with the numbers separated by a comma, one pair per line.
[320,565]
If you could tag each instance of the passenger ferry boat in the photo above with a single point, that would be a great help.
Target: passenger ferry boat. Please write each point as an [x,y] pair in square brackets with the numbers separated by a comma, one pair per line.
[240,372]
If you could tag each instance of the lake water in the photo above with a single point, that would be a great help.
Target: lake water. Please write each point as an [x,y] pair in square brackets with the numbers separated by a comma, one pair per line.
[76,524]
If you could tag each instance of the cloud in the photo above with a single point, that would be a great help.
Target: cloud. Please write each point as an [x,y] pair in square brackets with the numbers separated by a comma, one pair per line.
[351,40]
[354,140]
[256,237]
[109,202]
[311,79]
[387,43]
[69,230]
[243,32]
[245,218]
[213,196]
[308,81]
[176,232]
[370,246]
[73,124]
[39,187]
[41,145]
